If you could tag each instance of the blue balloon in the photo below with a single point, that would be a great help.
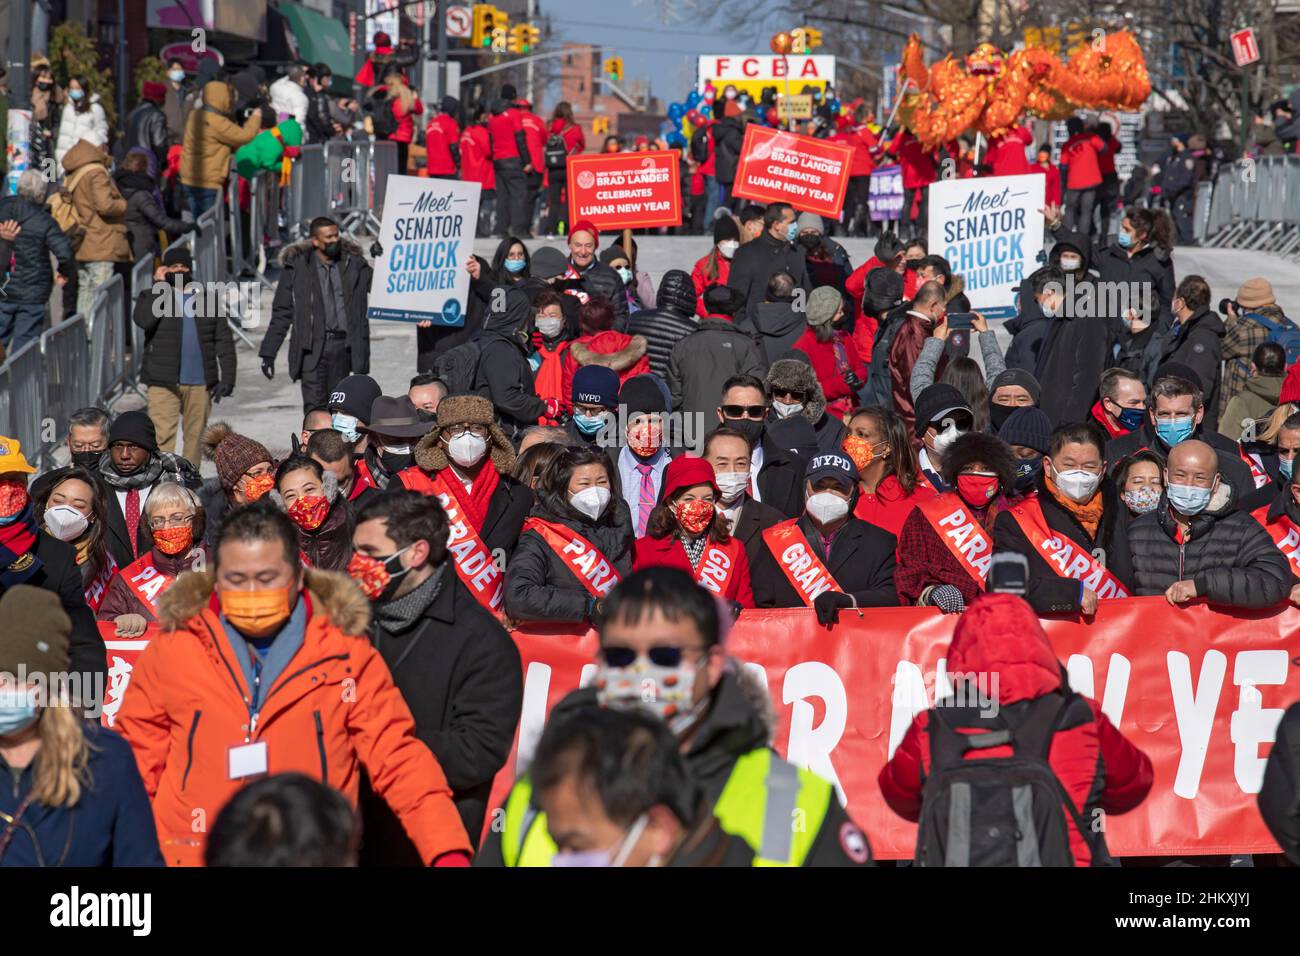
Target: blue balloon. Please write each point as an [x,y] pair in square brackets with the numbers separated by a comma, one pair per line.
[676,140]
[706,111]
[835,106]
[676,111]
[692,100]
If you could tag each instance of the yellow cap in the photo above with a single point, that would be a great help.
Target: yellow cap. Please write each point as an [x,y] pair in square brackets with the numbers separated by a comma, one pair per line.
[11,457]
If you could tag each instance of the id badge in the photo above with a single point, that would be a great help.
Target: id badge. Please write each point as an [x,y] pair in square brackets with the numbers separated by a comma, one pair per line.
[247,760]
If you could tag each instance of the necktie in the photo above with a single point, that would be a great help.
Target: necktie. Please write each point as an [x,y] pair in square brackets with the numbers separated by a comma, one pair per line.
[647,501]
[133,518]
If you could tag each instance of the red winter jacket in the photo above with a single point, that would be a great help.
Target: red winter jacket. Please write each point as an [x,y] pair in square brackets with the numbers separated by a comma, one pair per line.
[1052,189]
[502,128]
[405,123]
[648,552]
[1080,155]
[476,157]
[438,137]
[1097,765]
[1106,158]
[702,282]
[917,162]
[839,397]
[535,137]
[625,354]
[1007,154]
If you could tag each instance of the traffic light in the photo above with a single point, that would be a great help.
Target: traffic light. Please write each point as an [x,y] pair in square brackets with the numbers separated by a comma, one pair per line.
[523,37]
[805,39]
[613,68]
[814,38]
[501,32]
[484,23]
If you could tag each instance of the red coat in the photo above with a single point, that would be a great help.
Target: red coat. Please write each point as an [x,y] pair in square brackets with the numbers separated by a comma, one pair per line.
[625,354]
[1097,765]
[1106,158]
[405,121]
[917,162]
[861,164]
[535,137]
[822,356]
[889,507]
[1007,154]
[648,552]
[1052,189]
[438,137]
[1080,155]
[856,284]
[702,282]
[476,157]
[501,130]
[574,141]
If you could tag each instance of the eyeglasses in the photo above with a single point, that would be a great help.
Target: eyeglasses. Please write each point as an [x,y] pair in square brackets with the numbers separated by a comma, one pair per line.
[660,656]
[744,411]
[171,521]
[455,431]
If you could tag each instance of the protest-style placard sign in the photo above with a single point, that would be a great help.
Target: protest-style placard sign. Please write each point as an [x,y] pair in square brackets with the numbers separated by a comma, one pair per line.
[626,190]
[885,193]
[427,236]
[810,174]
[991,232]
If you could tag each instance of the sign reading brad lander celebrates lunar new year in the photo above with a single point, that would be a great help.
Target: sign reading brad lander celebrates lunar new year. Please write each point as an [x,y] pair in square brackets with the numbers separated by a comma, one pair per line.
[626,190]
[427,236]
[810,174]
[991,232]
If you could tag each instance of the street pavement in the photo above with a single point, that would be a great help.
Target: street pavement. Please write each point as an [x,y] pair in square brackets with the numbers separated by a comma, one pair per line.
[270,411]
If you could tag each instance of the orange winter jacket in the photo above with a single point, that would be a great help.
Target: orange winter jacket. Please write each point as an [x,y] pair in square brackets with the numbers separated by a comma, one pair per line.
[333,711]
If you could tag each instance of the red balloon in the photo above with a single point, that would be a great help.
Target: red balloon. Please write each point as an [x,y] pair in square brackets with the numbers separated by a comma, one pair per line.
[771,116]
[694,117]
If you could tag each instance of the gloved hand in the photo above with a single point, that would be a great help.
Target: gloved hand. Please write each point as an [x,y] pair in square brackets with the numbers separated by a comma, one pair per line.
[853,382]
[828,604]
[593,611]
[552,408]
[376,250]
[947,599]
[537,341]
[736,608]
[194,227]
[221,390]
[268,368]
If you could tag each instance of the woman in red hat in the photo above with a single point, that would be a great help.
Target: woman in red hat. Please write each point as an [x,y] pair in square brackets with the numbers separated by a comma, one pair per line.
[687,532]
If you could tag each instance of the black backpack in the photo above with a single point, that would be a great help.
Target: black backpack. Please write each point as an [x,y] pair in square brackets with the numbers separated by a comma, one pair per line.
[383,120]
[1000,811]
[556,152]
[700,144]
[457,368]
[880,386]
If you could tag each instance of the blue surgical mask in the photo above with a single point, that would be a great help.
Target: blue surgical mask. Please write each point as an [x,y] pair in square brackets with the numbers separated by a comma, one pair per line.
[792,232]
[1189,500]
[176,76]
[1173,430]
[1130,419]
[515,265]
[1124,239]
[18,711]
[76,94]
[345,425]
[589,424]
[625,275]
[1286,466]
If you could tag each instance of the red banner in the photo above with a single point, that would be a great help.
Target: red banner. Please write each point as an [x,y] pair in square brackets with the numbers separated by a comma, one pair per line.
[122,653]
[777,166]
[1200,692]
[626,190]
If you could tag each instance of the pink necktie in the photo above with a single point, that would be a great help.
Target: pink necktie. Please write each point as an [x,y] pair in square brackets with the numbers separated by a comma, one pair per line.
[647,501]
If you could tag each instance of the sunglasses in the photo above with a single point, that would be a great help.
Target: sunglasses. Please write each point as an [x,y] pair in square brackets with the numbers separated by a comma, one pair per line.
[797,396]
[744,411]
[626,657]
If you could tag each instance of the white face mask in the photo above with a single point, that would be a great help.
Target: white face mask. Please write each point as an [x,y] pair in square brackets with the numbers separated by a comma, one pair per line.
[591,502]
[943,441]
[728,248]
[731,484]
[1071,263]
[785,411]
[826,507]
[550,328]
[1077,485]
[467,450]
[65,522]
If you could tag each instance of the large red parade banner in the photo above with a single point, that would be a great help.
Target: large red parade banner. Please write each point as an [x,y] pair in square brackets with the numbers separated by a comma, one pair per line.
[626,190]
[1200,691]
[777,166]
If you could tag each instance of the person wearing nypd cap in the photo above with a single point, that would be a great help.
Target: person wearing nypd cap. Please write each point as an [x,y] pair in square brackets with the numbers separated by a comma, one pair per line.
[350,401]
[826,559]
[74,795]
[189,354]
[595,403]
[30,555]
[320,305]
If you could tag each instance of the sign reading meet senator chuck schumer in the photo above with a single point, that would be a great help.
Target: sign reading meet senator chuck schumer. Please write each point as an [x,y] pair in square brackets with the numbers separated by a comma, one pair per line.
[810,174]
[626,190]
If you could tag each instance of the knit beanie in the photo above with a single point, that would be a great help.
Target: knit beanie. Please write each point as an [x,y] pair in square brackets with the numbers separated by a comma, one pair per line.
[232,453]
[34,631]
[725,228]
[640,394]
[810,220]
[1029,427]
[1018,376]
[135,427]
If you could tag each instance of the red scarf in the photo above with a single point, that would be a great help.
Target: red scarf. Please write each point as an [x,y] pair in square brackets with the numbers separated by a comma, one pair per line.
[19,536]
[475,503]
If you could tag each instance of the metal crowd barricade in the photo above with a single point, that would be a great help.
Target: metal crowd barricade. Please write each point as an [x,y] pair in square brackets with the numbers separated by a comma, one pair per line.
[65,354]
[1256,206]
[25,390]
[107,347]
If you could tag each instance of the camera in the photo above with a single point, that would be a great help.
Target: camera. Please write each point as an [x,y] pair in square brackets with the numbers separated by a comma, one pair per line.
[1008,574]
[1224,304]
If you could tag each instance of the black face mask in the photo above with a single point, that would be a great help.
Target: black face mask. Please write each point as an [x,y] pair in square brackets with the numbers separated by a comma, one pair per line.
[998,415]
[394,463]
[751,429]
[811,241]
[45,86]
[333,249]
[912,264]
[1027,473]
[87,459]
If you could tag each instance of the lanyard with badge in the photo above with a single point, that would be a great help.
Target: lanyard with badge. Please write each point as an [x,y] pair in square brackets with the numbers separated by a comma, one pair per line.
[249,759]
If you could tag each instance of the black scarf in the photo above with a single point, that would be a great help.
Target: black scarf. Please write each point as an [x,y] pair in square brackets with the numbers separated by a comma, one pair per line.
[397,616]
[163,466]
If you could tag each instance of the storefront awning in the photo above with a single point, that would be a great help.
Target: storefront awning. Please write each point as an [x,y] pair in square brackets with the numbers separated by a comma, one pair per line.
[319,39]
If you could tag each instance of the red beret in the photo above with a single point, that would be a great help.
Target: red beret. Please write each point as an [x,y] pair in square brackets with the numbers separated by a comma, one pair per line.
[585,225]
[687,472]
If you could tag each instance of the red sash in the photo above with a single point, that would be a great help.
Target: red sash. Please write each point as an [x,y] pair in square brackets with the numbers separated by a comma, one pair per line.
[96,589]
[718,564]
[803,569]
[1284,533]
[1256,467]
[474,564]
[361,480]
[579,555]
[957,528]
[145,580]
[1063,555]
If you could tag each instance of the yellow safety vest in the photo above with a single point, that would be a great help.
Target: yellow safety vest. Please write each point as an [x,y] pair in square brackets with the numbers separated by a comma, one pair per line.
[768,802]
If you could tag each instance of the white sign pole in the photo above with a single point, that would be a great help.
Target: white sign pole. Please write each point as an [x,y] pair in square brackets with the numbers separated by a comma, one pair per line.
[427,236]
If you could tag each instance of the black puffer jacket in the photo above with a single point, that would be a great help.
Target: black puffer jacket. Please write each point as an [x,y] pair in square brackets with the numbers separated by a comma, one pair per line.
[146,128]
[1279,797]
[1049,592]
[1230,557]
[671,320]
[143,216]
[601,280]
[31,277]
[1199,346]
[504,376]
[162,340]
[728,137]
[540,586]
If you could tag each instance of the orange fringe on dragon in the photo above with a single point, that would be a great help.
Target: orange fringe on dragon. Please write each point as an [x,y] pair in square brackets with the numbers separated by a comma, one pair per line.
[990,91]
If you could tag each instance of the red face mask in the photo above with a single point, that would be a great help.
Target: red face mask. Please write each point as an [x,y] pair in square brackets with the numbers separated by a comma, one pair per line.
[645,440]
[309,512]
[694,516]
[174,540]
[13,498]
[258,486]
[977,490]
[370,574]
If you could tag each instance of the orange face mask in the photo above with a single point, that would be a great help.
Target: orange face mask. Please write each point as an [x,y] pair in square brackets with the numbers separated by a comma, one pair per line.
[258,613]
[174,540]
[257,486]
[860,451]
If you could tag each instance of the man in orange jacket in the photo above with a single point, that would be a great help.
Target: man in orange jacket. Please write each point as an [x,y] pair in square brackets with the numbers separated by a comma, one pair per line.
[264,667]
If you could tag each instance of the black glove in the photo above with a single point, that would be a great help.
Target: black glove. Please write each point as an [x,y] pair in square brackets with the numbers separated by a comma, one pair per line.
[736,608]
[592,612]
[853,382]
[268,368]
[194,227]
[828,604]
[376,250]
[221,390]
